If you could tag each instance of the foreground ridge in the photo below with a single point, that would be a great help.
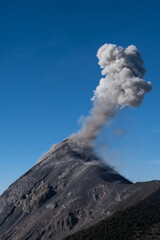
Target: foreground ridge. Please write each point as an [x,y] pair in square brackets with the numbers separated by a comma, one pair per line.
[141,221]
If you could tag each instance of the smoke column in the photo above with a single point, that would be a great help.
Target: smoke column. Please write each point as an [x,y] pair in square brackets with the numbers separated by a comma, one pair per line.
[122,85]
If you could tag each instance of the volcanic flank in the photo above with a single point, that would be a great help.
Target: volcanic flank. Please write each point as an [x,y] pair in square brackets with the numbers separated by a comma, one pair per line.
[68,190]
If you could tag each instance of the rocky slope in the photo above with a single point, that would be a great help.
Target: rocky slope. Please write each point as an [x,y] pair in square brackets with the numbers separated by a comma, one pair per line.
[68,190]
[138,222]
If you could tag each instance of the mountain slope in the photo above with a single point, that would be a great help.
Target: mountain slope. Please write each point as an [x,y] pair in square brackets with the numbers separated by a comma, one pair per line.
[141,221]
[69,189]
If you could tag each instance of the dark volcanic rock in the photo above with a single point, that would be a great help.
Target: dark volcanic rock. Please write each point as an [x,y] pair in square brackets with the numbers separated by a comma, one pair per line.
[69,189]
[35,197]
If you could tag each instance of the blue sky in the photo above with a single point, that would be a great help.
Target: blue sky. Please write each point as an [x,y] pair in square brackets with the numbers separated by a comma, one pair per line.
[48,71]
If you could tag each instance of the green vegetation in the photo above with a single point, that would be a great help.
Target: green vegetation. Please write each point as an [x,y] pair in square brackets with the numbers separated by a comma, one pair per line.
[142,221]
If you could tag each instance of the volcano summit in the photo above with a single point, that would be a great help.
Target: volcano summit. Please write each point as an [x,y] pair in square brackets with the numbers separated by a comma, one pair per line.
[68,190]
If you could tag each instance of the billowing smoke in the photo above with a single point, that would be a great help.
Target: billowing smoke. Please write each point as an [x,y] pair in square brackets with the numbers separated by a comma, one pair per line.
[122,85]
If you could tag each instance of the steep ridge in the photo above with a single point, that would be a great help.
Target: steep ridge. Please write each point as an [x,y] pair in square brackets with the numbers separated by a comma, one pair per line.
[69,189]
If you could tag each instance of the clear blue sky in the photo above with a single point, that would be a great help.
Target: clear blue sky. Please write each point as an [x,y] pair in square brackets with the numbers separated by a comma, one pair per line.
[48,71]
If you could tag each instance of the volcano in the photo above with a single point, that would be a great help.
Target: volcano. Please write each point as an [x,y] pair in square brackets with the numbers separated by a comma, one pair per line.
[69,189]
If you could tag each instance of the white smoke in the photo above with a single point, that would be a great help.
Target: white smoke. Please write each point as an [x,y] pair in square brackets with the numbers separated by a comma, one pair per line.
[123,85]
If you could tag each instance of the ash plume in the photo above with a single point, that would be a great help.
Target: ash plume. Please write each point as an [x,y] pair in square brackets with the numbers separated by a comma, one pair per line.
[122,85]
